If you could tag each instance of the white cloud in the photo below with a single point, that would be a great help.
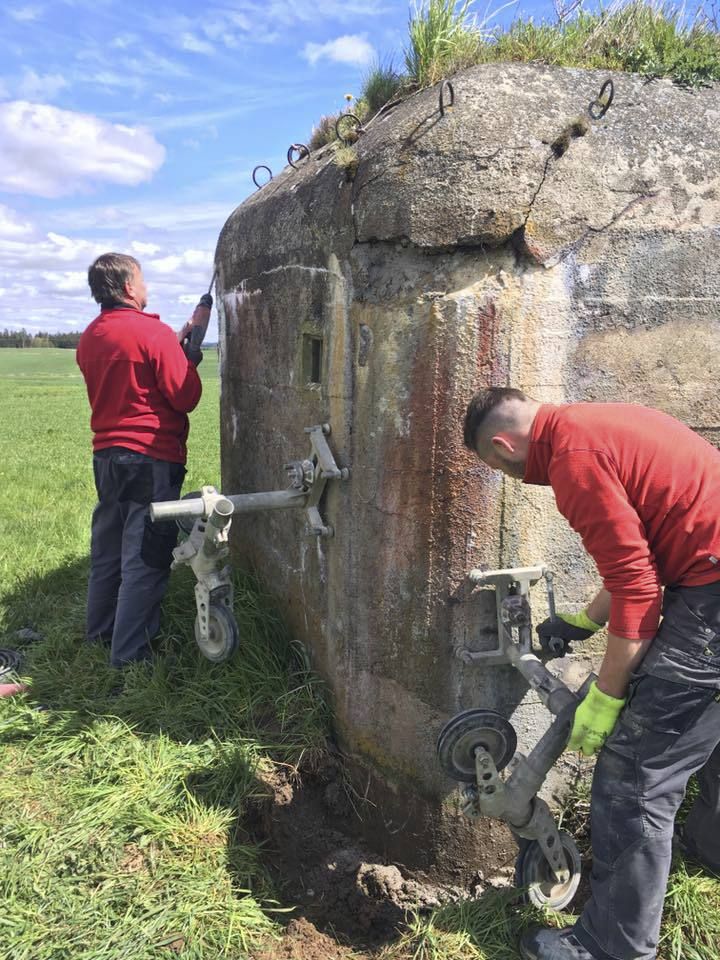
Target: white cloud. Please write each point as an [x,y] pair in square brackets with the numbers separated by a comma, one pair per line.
[124,40]
[45,272]
[137,218]
[145,248]
[25,14]
[352,49]
[67,281]
[11,224]
[112,80]
[189,258]
[49,152]
[288,12]
[194,44]
[36,86]
[140,66]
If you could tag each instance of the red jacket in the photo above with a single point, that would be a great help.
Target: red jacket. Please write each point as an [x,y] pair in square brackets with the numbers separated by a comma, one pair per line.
[643,492]
[140,384]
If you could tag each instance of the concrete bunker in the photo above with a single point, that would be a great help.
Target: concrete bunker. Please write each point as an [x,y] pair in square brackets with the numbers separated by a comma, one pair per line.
[467,248]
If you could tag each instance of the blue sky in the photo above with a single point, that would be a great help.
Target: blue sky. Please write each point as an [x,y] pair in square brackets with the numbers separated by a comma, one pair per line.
[135,127]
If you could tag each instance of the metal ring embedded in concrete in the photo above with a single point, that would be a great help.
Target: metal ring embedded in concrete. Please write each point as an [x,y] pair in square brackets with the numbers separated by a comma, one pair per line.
[357,125]
[261,166]
[446,85]
[301,150]
[601,104]
[10,661]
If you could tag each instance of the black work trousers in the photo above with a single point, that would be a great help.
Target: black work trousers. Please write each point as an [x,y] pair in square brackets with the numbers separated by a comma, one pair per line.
[668,730]
[130,557]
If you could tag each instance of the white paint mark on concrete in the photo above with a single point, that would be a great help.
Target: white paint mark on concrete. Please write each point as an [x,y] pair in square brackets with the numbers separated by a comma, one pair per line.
[313,271]
[322,560]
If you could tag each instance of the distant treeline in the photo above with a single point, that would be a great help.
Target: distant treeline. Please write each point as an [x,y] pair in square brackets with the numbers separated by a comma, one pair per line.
[21,338]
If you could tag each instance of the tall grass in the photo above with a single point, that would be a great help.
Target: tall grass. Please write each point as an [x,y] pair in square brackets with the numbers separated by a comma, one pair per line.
[652,39]
[442,39]
[381,85]
[655,39]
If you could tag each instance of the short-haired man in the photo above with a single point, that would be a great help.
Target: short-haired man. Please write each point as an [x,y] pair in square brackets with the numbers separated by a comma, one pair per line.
[141,385]
[643,492]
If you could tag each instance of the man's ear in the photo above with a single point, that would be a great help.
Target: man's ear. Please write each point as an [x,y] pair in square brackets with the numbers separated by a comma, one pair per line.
[502,444]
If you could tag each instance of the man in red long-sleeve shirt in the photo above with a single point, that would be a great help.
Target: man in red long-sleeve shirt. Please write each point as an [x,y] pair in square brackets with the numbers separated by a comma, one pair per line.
[643,492]
[141,386]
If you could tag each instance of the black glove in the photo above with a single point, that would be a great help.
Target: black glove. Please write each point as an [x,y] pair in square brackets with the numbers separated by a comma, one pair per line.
[566,632]
[194,354]
[206,301]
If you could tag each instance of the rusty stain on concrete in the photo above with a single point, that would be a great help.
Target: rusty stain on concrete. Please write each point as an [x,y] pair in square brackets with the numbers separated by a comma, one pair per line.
[459,256]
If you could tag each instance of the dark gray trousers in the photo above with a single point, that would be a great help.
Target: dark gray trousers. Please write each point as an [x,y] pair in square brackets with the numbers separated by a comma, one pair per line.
[130,557]
[669,729]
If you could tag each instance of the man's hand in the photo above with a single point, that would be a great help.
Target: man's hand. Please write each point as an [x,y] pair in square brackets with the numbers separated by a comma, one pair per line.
[185,331]
[595,720]
[206,301]
[569,627]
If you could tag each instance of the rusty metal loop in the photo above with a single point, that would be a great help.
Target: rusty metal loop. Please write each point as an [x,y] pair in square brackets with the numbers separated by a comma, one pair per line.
[601,104]
[301,150]
[357,126]
[261,166]
[446,84]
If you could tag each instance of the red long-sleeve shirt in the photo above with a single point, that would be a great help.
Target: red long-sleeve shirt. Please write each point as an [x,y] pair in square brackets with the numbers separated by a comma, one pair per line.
[140,384]
[643,492]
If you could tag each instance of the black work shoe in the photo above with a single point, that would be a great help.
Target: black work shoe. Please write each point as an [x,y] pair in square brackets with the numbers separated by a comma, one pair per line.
[688,851]
[544,944]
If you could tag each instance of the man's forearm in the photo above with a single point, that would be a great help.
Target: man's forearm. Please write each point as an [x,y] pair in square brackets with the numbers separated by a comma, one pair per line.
[599,608]
[622,657]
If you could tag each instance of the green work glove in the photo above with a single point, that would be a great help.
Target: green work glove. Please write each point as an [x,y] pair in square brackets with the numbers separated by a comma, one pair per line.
[568,627]
[595,720]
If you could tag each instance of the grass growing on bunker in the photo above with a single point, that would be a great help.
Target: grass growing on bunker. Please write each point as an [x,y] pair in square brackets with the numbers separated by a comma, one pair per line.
[442,40]
[654,39]
[121,832]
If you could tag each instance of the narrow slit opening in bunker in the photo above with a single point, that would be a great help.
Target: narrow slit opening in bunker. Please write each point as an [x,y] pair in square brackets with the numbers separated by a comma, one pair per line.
[312,358]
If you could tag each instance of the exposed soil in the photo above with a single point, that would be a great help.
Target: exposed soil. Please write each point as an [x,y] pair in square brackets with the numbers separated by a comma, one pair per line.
[349,904]
[343,892]
[303,941]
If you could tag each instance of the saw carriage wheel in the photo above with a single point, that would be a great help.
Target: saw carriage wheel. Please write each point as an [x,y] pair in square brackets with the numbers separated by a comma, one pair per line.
[461,737]
[534,876]
[223,634]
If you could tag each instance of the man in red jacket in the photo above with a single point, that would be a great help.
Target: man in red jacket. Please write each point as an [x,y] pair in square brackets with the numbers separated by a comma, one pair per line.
[141,385]
[643,492]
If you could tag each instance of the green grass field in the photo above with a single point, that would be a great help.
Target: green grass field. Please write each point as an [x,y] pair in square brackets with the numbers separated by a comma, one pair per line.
[121,826]
[120,818]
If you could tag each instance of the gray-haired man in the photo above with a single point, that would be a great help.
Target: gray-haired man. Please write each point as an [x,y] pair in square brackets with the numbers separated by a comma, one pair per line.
[141,385]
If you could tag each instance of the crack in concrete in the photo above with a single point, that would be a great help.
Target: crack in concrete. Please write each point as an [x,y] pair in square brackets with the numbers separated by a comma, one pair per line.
[641,198]
[473,158]
[576,244]
[534,197]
